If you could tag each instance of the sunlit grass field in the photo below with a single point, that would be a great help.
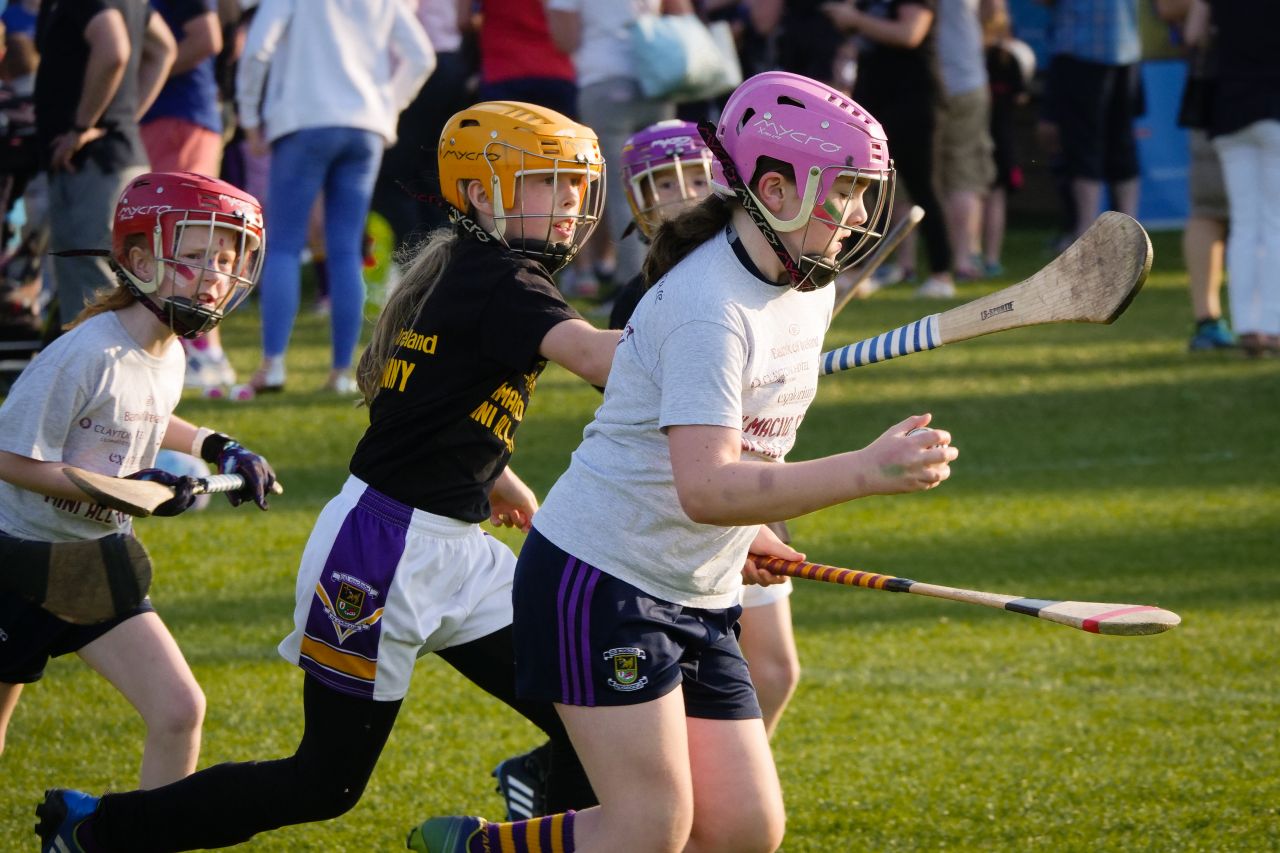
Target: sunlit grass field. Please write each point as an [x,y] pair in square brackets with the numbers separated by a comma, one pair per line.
[1100,463]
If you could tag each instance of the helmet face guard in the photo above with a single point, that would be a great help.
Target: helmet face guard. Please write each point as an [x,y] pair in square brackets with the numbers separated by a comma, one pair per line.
[665,168]
[543,173]
[839,159]
[199,230]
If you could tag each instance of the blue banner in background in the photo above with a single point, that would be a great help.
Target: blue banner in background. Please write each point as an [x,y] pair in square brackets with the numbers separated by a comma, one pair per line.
[1162,147]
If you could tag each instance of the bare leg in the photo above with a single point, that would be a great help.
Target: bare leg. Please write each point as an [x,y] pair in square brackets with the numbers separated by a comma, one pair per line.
[1203,251]
[1124,195]
[964,212]
[769,645]
[993,225]
[9,694]
[140,659]
[724,766]
[1088,198]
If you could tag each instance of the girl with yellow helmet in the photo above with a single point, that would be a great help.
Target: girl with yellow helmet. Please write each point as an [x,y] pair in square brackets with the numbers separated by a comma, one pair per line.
[397,564]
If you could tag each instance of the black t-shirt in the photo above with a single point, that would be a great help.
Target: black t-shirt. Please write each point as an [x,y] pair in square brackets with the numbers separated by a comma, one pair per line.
[60,39]
[1248,80]
[443,426]
[887,73]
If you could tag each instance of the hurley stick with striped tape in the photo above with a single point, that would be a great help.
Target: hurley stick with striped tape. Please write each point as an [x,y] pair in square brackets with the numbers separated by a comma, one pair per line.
[1094,617]
[1093,281]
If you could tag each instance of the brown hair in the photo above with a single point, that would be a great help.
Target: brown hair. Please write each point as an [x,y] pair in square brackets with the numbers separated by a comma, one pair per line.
[112,297]
[425,264]
[677,237]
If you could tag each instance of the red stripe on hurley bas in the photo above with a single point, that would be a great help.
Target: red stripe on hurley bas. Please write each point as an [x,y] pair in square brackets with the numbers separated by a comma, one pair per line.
[1092,624]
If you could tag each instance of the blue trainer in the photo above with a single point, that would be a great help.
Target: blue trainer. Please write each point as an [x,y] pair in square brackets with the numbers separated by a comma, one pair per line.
[60,815]
[522,782]
[1211,335]
[445,834]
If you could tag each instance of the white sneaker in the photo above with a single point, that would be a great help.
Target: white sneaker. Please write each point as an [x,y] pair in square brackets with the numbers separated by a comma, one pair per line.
[220,366]
[936,288]
[201,373]
[343,384]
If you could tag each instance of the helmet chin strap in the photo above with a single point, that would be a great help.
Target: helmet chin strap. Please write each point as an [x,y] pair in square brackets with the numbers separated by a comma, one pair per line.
[793,269]
[176,322]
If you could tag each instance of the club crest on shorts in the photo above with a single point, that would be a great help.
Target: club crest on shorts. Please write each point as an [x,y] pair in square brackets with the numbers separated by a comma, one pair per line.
[350,601]
[345,607]
[626,669]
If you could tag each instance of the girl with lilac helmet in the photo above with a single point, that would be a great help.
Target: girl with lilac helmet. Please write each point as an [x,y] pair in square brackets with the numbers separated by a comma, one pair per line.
[666,168]
[626,592]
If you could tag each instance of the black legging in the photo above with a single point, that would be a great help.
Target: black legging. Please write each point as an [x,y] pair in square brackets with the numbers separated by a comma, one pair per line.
[910,127]
[230,803]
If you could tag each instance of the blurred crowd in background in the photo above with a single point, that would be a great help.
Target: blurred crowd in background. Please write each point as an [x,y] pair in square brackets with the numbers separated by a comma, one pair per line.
[329,111]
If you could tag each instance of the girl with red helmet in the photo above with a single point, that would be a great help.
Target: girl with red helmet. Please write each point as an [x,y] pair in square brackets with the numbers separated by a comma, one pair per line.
[101,397]
[397,564]
[626,589]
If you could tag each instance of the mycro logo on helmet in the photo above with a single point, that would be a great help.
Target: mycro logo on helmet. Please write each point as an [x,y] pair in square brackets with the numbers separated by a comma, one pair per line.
[767,127]
[673,142]
[449,153]
[128,212]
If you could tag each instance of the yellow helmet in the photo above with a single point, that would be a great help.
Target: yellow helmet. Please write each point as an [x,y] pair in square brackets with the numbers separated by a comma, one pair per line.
[496,142]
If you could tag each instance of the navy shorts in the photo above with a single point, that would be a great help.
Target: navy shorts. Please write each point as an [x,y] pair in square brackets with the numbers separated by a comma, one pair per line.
[30,635]
[585,638]
[1095,106]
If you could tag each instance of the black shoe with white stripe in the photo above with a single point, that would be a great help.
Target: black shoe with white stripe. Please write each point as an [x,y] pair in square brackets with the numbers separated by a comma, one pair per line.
[522,782]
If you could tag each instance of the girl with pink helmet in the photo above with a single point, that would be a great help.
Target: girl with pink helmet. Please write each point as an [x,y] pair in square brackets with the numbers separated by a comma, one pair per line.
[626,590]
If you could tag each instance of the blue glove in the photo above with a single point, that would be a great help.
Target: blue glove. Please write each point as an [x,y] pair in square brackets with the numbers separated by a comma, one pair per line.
[231,457]
[184,489]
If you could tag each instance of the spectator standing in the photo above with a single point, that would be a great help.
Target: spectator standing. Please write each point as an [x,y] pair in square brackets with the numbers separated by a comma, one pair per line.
[519,61]
[182,132]
[336,73]
[1092,95]
[1244,125]
[1011,65]
[965,165]
[409,176]
[898,82]
[1204,234]
[112,58]
[610,101]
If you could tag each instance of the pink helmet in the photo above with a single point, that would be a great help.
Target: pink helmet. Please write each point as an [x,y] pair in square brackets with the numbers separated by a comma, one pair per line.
[824,136]
[668,145]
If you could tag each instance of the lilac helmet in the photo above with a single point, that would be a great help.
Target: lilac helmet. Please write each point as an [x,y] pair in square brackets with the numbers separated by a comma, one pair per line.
[671,144]
[824,136]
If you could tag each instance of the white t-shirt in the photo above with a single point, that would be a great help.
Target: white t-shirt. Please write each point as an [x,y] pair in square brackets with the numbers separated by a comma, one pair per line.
[605,49]
[94,399]
[710,344]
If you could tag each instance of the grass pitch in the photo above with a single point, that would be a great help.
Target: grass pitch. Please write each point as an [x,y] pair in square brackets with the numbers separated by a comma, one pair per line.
[1097,463]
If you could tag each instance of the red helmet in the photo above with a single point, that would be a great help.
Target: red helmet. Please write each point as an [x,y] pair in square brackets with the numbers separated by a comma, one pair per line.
[179,215]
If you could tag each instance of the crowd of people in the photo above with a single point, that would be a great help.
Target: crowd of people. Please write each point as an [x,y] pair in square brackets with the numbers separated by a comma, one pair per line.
[628,609]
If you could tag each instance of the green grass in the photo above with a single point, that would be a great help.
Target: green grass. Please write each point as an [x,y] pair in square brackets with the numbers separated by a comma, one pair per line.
[1098,463]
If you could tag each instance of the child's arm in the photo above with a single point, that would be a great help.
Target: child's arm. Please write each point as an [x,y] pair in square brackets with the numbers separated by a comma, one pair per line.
[716,486]
[511,502]
[44,478]
[227,454]
[578,346]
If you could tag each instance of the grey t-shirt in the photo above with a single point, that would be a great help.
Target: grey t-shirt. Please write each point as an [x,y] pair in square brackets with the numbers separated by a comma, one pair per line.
[93,399]
[961,58]
[709,344]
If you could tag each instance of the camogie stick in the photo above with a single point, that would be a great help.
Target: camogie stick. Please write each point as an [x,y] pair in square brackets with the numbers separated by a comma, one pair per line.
[1093,281]
[141,497]
[883,250]
[1094,617]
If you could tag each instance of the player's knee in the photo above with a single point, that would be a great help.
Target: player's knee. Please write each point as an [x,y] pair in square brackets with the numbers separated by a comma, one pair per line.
[180,714]
[758,830]
[333,799]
